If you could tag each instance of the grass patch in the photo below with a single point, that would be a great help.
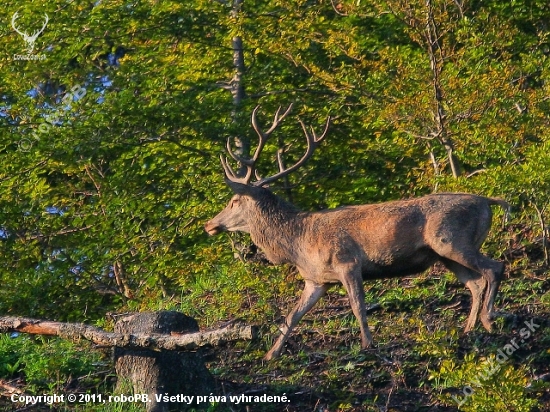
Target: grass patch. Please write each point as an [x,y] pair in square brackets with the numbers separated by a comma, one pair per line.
[420,361]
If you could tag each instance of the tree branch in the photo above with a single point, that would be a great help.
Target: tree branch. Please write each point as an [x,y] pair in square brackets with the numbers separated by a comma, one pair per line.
[76,331]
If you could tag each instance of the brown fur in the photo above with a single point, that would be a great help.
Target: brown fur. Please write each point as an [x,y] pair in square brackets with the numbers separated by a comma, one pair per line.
[350,244]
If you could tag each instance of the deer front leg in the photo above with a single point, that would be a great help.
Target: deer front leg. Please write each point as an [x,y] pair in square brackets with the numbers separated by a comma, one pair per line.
[310,296]
[353,283]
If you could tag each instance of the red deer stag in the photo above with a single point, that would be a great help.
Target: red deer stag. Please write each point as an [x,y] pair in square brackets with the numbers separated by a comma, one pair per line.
[353,243]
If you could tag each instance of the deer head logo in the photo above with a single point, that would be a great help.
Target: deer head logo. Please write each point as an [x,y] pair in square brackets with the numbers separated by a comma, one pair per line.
[29,39]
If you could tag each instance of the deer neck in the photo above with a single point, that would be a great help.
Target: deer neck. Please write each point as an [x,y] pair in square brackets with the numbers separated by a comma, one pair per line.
[276,229]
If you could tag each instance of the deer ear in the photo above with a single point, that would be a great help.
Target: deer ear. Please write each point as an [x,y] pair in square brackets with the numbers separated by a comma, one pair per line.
[243,189]
[238,188]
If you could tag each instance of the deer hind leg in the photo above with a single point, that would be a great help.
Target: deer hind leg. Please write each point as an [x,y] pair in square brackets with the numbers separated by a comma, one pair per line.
[353,283]
[476,283]
[310,296]
[491,271]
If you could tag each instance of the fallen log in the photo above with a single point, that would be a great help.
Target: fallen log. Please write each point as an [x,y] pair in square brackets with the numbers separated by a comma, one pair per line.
[7,388]
[157,353]
[136,341]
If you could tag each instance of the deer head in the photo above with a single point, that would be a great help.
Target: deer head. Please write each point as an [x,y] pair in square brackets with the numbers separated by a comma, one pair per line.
[29,39]
[237,214]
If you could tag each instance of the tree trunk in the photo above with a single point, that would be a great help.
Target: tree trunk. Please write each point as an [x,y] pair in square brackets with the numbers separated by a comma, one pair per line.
[436,56]
[242,143]
[150,372]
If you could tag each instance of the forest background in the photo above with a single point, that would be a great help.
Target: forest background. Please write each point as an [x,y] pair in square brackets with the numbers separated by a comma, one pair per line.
[112,124]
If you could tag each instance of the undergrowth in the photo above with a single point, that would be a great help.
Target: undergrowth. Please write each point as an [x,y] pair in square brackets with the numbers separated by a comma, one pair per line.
[422,361]
[49,364]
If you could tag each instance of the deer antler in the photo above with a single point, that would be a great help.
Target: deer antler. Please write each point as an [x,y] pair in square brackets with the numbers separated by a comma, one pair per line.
[312,138]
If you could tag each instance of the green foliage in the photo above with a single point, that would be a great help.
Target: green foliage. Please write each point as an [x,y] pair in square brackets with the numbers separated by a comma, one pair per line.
[484,385]
[440,344]
[219,293]
[104,194]
[108,203]
[46,364]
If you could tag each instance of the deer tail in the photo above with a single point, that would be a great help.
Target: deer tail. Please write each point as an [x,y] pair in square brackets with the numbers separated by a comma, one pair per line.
[504,204]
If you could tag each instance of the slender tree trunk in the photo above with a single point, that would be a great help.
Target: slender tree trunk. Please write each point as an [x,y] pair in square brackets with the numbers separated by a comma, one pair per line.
[433,159]
[435,53]
[237,85]
[122,280]
[238,93]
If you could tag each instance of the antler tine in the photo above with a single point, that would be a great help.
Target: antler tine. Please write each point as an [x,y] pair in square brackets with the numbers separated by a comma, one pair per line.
[232,176]
[230,173]
[312,142]
[236,157]
[280,160]
[319,138]
[263,136]
[278,118]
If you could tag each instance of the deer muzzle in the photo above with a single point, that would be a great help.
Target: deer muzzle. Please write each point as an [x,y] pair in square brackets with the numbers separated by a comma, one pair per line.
[212,228]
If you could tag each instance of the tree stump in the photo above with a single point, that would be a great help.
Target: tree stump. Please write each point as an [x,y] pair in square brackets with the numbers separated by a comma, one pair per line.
[165,372]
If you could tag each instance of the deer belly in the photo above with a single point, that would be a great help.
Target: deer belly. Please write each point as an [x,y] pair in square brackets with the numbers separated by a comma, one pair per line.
[398,266]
